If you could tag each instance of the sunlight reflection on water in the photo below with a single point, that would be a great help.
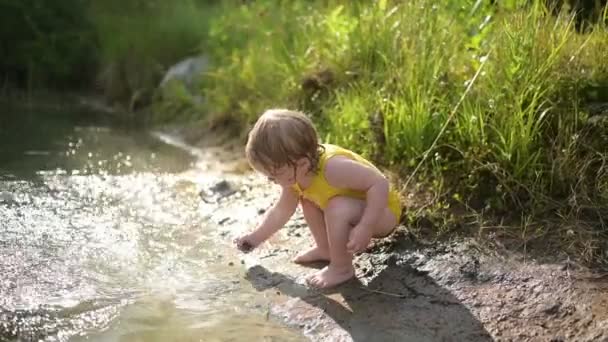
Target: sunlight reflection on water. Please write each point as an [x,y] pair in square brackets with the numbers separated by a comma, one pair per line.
[104,238]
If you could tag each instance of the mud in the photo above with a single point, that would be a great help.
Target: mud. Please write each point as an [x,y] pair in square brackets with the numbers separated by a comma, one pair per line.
[407,290]
[66,278]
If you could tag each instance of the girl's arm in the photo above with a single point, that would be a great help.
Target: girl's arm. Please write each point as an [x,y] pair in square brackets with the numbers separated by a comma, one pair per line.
[273,220]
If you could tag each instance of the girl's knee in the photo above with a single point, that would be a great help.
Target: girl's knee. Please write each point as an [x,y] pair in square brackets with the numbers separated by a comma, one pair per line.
[343,209]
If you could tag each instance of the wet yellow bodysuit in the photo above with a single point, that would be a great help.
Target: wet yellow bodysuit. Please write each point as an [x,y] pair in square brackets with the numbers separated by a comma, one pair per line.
[320,191]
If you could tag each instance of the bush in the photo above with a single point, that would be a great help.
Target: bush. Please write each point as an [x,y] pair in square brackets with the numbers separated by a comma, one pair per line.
[391,79]
[50,43]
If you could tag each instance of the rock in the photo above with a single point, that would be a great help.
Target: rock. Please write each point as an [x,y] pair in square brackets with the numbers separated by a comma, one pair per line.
[558,339]
[216,192]
[204,196]
[220,186]
[7,197]
[391,260]
[550,308]
[263,279]
[470,269]
[186,72]
[223,188]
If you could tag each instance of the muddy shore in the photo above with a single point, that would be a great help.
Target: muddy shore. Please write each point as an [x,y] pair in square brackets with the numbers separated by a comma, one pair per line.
[408,290]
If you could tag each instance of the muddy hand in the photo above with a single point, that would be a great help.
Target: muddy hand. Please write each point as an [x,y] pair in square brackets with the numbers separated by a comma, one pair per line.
[244,245]
[358,240]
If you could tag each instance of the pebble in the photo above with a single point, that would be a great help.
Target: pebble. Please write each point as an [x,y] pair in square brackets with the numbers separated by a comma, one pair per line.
[6,196]
[221,186]
[551,308]
[558,339]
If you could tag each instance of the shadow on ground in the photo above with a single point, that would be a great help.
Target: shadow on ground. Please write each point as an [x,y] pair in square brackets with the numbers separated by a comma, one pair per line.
[378,311]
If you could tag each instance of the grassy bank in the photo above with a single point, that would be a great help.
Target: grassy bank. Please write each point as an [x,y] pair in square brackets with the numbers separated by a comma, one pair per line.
[492,116]
[497,108]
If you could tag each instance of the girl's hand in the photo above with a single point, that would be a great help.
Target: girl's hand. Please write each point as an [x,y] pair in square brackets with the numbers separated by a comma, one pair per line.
[246,243]
[358,239]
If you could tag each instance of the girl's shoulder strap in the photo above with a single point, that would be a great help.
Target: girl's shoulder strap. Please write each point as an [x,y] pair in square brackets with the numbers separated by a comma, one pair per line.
[334,150]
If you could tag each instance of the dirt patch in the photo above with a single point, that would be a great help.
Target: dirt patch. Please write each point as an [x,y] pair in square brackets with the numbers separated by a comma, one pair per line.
[410,291]
[407,290]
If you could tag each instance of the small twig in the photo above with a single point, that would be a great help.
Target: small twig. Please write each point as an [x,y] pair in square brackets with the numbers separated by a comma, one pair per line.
[447,122]
[568,269]
[398,295]
[269,255]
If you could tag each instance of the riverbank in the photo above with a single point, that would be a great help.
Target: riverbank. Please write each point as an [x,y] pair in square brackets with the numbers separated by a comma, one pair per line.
[113,235]
[492,116]
[461,289]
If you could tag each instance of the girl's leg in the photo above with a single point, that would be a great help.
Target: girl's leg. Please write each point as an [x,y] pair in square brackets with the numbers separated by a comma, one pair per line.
[316,223]
[341,215]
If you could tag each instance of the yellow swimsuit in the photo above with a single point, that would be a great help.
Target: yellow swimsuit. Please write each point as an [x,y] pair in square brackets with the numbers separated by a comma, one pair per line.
[320,191]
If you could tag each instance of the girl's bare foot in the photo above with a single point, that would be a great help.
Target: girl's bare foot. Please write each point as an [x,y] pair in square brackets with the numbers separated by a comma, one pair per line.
[312,255]
[330,277]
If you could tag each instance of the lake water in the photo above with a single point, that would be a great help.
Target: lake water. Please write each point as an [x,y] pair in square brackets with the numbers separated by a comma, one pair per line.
[102,239]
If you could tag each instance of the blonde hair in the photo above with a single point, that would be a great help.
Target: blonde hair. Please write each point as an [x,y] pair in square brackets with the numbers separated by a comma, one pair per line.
[281,137]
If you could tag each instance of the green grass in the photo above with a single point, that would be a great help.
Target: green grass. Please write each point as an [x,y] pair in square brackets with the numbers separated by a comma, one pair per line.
[387,78]
[493,110]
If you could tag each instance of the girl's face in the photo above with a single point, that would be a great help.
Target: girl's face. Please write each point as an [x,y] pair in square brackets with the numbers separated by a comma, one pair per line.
[284,176]
[288,175]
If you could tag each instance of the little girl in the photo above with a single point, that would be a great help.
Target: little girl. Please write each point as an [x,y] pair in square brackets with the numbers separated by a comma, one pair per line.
[345,199]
